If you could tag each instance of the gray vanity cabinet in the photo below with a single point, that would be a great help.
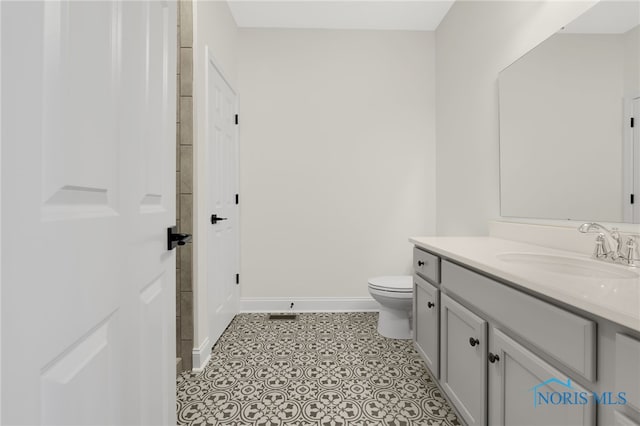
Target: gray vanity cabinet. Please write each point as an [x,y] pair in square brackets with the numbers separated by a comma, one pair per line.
[517,376]
[463,358]
[426,328]
[506,355]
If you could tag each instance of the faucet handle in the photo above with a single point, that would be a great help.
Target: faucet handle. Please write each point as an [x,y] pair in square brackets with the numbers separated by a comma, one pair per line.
[631,249]
[602,247]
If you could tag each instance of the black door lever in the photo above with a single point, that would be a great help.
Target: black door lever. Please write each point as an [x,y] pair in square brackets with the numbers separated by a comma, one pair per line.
[175,239]
[215,219]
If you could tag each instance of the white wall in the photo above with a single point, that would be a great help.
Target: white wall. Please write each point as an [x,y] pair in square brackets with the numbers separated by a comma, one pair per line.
[213,28]
[475,41]
[337,155]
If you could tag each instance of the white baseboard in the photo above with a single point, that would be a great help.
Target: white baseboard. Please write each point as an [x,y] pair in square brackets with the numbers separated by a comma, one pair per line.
[308,304]
[200,356]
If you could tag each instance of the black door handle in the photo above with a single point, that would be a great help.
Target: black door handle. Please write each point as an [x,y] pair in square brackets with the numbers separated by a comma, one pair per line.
[175,239]
[473,341]
[430,305]
[420,263]
[215,219]
[493,358]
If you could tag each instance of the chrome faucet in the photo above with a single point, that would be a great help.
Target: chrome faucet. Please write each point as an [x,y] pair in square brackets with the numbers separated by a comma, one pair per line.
[625,253]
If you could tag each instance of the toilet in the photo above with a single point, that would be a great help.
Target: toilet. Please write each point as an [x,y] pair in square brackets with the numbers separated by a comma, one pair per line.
[395,296]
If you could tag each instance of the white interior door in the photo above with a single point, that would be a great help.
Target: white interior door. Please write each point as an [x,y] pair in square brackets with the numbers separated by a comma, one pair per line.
[88,191]
[635,137]
[222,236]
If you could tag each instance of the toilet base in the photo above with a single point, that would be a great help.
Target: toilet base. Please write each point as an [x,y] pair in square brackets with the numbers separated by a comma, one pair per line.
[394,323]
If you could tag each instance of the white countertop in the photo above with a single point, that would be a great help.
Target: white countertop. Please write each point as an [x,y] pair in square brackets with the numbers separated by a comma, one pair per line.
[614,299]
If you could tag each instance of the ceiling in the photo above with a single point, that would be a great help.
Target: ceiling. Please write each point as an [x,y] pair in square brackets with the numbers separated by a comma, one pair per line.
[416,15]
[607,17]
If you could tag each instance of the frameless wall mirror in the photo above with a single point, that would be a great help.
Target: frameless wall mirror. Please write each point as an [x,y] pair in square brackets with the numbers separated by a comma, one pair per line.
[566,108]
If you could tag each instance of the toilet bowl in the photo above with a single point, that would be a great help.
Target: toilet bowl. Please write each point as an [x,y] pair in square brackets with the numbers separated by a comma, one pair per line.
[395,296]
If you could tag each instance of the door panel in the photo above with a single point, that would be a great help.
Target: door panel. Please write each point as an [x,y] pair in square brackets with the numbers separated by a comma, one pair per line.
[154,341]
[156,105]
[79,67]
[88,285]
[65,382]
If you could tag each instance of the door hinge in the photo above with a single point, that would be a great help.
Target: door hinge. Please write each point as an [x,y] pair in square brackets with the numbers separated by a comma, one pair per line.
[632,199]
[236,119]
[237,199]
[237,278]
[632,122]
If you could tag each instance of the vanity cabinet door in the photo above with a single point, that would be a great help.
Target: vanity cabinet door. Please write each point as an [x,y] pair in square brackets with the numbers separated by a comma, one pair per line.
[426,323]
[628,369]
[620,419]
[525,390]
[463,358]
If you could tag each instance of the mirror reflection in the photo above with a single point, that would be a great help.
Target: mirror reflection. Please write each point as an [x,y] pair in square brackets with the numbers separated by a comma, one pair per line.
[566,141]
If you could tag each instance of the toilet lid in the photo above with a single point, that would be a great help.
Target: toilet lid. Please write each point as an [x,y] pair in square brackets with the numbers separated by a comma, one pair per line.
[403,283]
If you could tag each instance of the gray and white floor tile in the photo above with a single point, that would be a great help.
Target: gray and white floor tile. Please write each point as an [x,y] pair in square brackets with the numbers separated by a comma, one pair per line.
[330,369]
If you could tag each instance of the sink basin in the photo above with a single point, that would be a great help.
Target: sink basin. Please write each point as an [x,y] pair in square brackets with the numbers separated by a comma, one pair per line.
[569,265]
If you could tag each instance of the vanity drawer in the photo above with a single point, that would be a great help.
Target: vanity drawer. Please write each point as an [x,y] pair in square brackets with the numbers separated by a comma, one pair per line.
[628,369]
[564,336]
[426,265]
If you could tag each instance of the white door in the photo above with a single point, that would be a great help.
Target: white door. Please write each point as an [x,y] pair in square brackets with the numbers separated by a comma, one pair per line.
[88,191]
[222,170]
[635,138]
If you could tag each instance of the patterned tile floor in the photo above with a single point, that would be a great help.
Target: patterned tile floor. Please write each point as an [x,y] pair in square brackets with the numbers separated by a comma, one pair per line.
[329,369]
